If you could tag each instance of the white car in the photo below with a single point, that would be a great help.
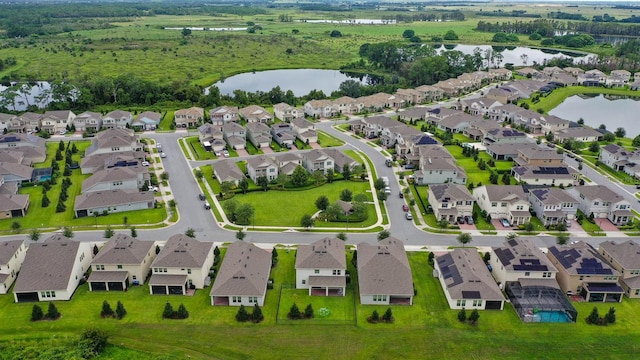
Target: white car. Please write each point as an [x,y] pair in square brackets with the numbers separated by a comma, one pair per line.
[163,155]
[153,188]
[225,153]
[145,163]
[62,132]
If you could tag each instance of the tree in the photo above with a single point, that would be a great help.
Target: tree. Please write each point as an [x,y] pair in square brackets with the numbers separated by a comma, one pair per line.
[226,186]
[108,232]
[134,232]
[52,311]
[383,235]
[308,312]
[317,176]
[182,312]
[594,147]
[36,313]
[157,249]
[168,311]
[34,235]
[450,35]
[242,315]
[294,312]
[164,176]
[186,32]
[299,177]
[529,227]
[474,316]
[243,185]
[307,221]
[387,316]
[375,317]
[342,236]
[443,223]
[256,315]
[594,317]
[92,343]
[15,226]
[464,239]
[335,33]
[346,195]
[240,235]
[462,315]
[45,201]
[66,231]
[61,146]
[190,232]
[610,318]
[216,251]
[407,34]
[263,182]
[636,141]
[620,132]
[322,202]
[120,310]
[107,311]
[346,172]
[244,213]
[274,257]
[379,184]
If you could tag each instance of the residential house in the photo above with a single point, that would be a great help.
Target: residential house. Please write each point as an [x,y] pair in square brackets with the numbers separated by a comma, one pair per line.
[430,93]
[28,121]
[530,120]
[93,163]
[122,261]
[52,269]
[506,151]
[112,201]
[227,170]
[503,95]
[12,253]
[119,177]
[223,115]
[305,130]
[439,170]
[255,113]
[503,113]
[466,281]
[286,112]
[321,267]
[88,121]
[501,74]
[413,114]
[340,160]
[479,128]
[519,259]
[261,165]
[283,134]
[564,79]
[582,271]
[31,146]
[317,160]
[504,202]
[211,137]
[148,120]
[552,123]
[235,136]
[478,106]
[288,162]
[243,276]
[452,87]
[56,121]
[408,138]
[114,140]
[117,119]
[450,201]
[182,265]
[380,101]
[320,109]
[14,124]
[618,78]
[602,202]
[5,121]
[347,105]
[560,175]
[410,96]
[573,71]
[620,159]
[553,206]
[579,133]
[190,117]
[623,257]
[457,123]
[434,116]
[526,71]
[384,274]
[505,135]
[12,204]
[18,173]
[259,134]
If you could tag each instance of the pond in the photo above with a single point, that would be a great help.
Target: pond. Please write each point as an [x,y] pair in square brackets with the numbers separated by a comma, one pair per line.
[518,55]
[612,111]
[18,98]
[299,81]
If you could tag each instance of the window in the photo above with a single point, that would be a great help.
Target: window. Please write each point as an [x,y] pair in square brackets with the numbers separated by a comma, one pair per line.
[596,203]
[316,271]
[53,294]
[81,256]
[469,203]
[494,204]
[188,271]
[526,273]
[378,298]
[477,303]
[458,202]
[337,272]
[236,299]
[461,303]
[504,204]
[99,267]
[304,282]
[546,274]
[581,278]
[637,291]
[119,266]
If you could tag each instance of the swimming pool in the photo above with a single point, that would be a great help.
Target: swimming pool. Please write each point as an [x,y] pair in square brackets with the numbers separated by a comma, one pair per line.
[551,316]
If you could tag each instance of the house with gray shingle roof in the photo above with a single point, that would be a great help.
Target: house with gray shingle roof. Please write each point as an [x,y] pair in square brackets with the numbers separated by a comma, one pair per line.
[261,165]
[340,160]
[112,201]
[504,201]
[117,178]
[88,120]
[384,274]
[28,121]
[227,170]
[602,202]
[317,160]
[93,163]
[255,113]
[321,267]
[211,137]
[558,175]
[114,140]
[5,121]
[56,121]
[283,134]
[18,173]
[304,130]
[450,201]
[223,115]
[33,147]
[52,269]
[287,162]
[235,135]
[12,254]
[183,264]
[148,120]
[243,276]
[259,134]
[122,261]
[520,259]
[13,205]
[466,281]
[553,206]
[117,119]
[189,117]
[579,133]
[625,258]
[286,112]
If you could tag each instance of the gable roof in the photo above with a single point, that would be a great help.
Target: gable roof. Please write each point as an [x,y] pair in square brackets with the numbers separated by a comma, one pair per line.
[450,192]
[8,250]
[123,249]
[522,255]
[118,173]
[99,199]
[183,251]
[627,253]
[326,253]
[466,276]
[509,193]
[552,196]
[260,161]
[244,271]
[601,192]
[383,268]
[580,258]
[226,170]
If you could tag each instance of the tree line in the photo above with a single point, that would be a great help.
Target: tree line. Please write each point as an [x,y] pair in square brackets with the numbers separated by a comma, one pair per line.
[549,27]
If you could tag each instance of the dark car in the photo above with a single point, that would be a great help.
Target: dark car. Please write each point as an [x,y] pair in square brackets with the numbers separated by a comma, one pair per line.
[460,220]
[401,195]
[201,197]
[469,220]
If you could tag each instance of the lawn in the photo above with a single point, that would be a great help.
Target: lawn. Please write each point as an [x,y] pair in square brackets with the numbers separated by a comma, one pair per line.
[268,205]
[198,150]
[426,327]
[326,140]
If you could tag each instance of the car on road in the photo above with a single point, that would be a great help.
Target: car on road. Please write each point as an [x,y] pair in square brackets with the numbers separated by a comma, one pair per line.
[388,162]
[469,220]
[387,190]
[145,163]
[505,222]
[571,155]
[225,153]
[207,206]
[163,155]
[408,216]
[158,146]
[405,207]
[201,197]
[401,195]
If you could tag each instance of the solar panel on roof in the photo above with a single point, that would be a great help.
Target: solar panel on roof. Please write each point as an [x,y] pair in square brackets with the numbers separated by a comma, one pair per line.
[471,295]
[604,287]
[505,256]
[512,242]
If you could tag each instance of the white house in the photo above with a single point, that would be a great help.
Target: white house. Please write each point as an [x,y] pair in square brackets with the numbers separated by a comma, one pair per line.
[450,201]
[321,267]
[520,259]
[504,201]
[12,255]
[602,202]
[261,165]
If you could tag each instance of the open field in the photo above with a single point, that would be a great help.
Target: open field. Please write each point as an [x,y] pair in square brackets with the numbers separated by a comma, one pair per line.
[427,327]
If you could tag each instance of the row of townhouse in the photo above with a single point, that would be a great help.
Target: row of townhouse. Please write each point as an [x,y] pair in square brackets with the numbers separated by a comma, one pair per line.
[577,76]
[620,159]
[323,160]
[235,136]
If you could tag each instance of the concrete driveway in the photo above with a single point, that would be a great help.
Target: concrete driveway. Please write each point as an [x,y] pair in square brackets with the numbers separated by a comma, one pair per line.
[606,225]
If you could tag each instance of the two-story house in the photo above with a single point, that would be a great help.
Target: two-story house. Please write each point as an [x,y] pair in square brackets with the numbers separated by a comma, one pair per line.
[255,114]
[114,140]
[320,109]
[321,267]
[285,112]
[117,178]
[603,203]
[537,155]
[624,258]
[190,117]
[56,121]
[504,202]
[439,170]
[235,136]
[259,134]
[147,120]
[88,121]
[305,130]
[283,134]
[117,119]
[317,160]
[553,206]
[261,165]
[211,137]
[450,201]
[288,162]
[223,115]
[12,255]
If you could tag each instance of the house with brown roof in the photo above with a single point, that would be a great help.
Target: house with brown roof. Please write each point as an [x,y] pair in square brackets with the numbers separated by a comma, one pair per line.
[52,269]
[190,117]
[551,175]
[466,281]
[55,121]
[243,276]
[235,135]
[12,255]
[259,134]
[117,178]
[112,201]
[147,120]
[88,121]
[33,147]
[13,204]
[211,137]
[286,112]
[255,114]
[287,162]
[410,96]
[223,115]
[538,155]
[579,133]
[384,274]
[261,165]
[450,201]
[183,264]
[430,93]
[583,271]
[28,121]
[380,101]
[117,119]
[122,261]
[305,130]
[18,173]
[320,108]
[624,257]
[283,134]
[347,105]
[5,121]
[114,140]
[93,163]
[227,170]
[321,267]
[504,201]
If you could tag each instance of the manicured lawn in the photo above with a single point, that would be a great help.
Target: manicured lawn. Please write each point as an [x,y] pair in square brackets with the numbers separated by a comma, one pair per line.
[252,150]
[198,150]
[341,309]
[554,99]
[268,205]
[326,140]
[183,146]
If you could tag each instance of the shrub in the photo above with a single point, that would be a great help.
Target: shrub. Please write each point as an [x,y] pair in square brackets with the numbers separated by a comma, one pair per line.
[256,315]
[388,316]
[36,313]
[294,312]
[308,312]
[168,311]
[474,316]
[242,315]
[107,311]
[374,318]
[52,312]
[120,311]
[462,315]
[182,312]
[92,342]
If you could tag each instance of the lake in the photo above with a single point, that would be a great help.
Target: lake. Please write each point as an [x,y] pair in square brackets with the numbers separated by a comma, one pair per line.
[516,54]
[612,111]
[21,101]
[300,81]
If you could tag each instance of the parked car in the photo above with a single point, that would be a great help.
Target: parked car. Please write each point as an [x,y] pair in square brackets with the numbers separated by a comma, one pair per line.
[405,207]
[505,222]
[409,166]
[469,220]
[408,216]
[153,188]
[163,155]
[460,220]
[62,132]
[207,206]
[388,162]
[225,153]
[218,153]
[401,195]
[202,197]
[387,190]
[567,222]
[145,163]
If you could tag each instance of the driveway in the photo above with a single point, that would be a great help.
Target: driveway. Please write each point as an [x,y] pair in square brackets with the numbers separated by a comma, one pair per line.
[498,225]
[315,146]
[267,150]
[242,152]
[606,225]
[466,226]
